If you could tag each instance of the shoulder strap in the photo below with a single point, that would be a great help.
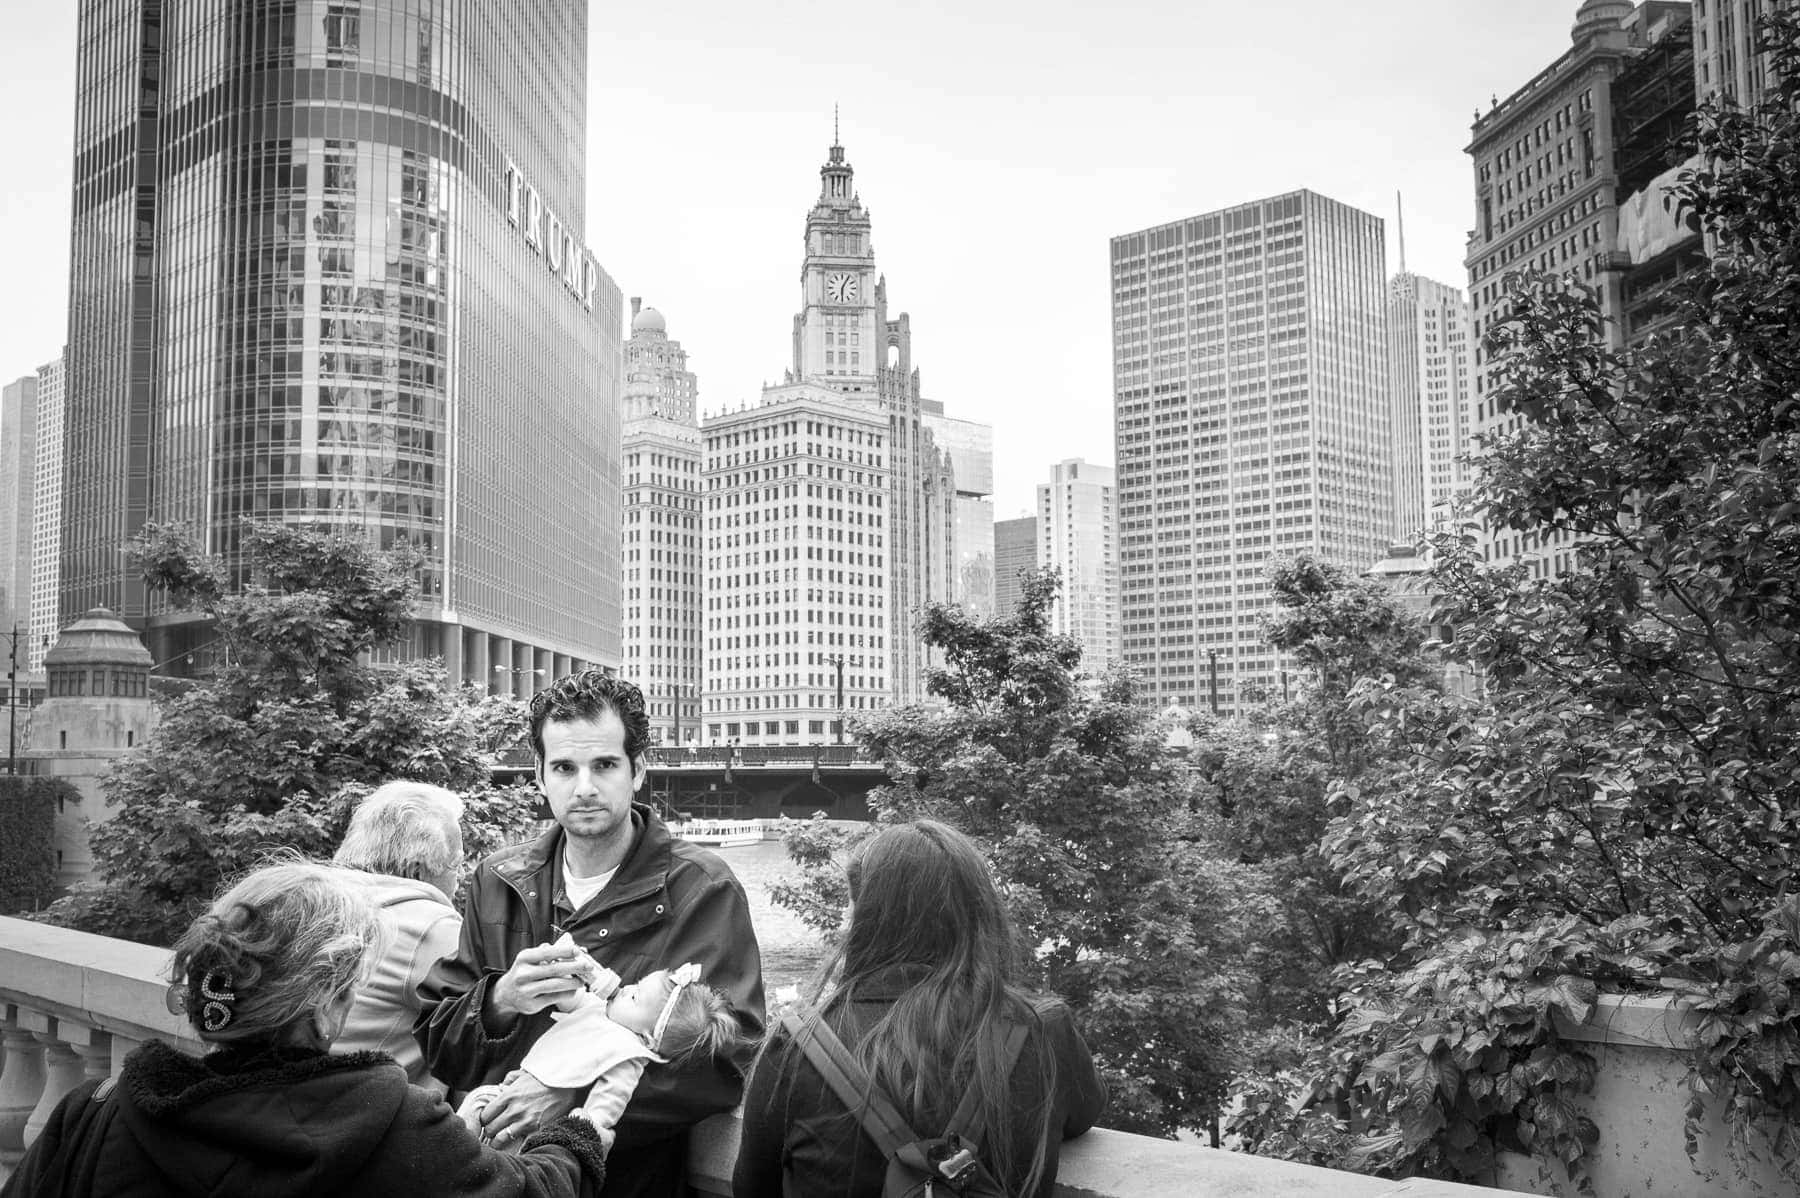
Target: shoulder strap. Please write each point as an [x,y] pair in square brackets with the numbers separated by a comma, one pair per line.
[966,1121]
[851,1083]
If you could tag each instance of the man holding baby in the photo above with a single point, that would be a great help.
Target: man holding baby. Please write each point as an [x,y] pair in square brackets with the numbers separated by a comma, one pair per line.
[608,881]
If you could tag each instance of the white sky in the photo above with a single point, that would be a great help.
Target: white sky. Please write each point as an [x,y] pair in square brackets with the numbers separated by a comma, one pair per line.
[997,143]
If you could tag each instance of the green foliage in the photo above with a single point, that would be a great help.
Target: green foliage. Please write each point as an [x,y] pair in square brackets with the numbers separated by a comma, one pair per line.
[1268,774]
[1083,813]
[1623,806]
[273,749]
[27,839]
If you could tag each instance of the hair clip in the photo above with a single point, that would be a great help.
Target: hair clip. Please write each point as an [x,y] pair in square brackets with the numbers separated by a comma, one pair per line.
[216,1009]
[680,979]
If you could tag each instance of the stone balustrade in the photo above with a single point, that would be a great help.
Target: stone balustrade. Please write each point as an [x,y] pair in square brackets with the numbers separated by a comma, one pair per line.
[73,1005]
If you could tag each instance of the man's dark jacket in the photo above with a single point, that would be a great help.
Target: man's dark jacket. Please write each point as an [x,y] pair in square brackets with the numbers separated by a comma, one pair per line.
[669,903]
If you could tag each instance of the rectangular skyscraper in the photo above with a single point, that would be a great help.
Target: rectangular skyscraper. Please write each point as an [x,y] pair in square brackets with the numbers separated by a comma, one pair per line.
[1431,358]
[46,524]
[1015,554]
[663,560]
[971,449]
[328,267]
[1250,402]
[1077,525]
[18,472]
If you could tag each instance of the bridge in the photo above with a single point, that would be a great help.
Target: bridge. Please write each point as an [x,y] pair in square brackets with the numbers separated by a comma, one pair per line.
[747,782]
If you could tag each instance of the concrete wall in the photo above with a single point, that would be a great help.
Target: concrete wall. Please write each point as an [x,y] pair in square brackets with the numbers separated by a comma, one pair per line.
[1639,1103]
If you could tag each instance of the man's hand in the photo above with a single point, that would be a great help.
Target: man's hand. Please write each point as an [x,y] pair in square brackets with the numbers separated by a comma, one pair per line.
[524,1106]
[540,977]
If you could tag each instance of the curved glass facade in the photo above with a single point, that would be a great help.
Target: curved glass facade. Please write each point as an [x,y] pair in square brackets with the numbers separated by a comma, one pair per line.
[315,299]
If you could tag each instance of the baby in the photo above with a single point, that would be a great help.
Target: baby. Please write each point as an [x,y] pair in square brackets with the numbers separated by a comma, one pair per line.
[606,1034]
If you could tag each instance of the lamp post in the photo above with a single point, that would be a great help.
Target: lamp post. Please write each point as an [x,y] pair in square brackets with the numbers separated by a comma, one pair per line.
[837,659]
[12,696]
[12,700]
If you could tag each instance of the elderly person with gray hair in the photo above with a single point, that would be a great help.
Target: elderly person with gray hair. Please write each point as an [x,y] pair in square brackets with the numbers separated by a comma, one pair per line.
[405,842]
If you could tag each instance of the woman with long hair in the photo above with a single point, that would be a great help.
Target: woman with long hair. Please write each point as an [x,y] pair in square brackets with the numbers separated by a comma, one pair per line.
[266,979]
[922,990]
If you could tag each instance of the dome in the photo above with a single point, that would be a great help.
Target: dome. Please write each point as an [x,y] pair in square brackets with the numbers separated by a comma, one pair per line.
[98,638]
[1600,16]
[649,321]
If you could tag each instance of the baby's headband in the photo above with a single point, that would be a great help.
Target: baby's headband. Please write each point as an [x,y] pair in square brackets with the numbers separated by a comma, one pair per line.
[679,980]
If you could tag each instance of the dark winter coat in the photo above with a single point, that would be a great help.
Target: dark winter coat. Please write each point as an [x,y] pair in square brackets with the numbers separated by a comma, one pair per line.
[799,1139]
[288,1123]
[669,903]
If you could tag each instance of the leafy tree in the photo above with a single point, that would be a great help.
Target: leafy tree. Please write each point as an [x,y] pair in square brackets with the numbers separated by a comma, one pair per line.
[1268,771]
[1083,812]
[1624,805]
[293,725]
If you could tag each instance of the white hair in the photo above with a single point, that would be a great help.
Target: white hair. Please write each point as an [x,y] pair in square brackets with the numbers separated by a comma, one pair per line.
[406,829]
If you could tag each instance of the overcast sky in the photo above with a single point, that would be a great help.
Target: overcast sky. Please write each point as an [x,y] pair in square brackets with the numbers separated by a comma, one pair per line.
[997,143]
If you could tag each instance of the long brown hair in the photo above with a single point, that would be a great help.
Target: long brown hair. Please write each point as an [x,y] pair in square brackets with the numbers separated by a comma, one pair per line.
[924,909]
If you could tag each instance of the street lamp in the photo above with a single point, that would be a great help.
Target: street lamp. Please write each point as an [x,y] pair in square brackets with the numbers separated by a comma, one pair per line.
[12,696]
[517,671]
[837,660]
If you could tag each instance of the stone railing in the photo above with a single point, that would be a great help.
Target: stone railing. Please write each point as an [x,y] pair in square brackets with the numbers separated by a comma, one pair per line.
[72,1005]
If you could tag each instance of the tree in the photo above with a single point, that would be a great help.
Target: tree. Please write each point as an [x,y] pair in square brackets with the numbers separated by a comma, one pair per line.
[292,726]
[1269,771]
[1624,807]
[1083,812]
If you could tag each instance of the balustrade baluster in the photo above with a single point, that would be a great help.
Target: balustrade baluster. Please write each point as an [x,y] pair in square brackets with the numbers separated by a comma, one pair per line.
[21,1081]
[62,1069]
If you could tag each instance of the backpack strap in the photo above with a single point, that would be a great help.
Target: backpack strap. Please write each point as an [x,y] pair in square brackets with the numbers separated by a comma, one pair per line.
[966,1120]
[851,1083]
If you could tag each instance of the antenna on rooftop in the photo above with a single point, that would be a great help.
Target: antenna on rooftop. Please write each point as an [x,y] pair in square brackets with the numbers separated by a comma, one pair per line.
[1400,223]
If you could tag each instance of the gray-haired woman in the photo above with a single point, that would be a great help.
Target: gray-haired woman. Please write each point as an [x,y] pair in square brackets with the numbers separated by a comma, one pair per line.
[266,978]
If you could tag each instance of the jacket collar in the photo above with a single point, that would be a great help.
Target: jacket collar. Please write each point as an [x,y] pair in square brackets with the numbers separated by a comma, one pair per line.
[645,868]
[160,1080]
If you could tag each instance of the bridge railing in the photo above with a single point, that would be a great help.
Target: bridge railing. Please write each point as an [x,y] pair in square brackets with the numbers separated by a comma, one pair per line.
[72,1005]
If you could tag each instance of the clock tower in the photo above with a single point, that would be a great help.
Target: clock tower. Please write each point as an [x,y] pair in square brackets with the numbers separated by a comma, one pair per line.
[835,331]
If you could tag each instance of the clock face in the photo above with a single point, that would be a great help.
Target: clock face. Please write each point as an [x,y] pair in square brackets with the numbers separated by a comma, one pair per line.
[840,288]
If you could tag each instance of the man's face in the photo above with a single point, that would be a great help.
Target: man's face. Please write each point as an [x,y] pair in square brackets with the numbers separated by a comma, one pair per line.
[587,778]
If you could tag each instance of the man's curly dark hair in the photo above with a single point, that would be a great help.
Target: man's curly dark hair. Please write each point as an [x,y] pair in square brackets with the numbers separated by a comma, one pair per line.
[587,696]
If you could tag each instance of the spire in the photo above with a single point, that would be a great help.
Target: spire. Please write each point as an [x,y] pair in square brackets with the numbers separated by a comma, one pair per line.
[834,124]
[1400,223]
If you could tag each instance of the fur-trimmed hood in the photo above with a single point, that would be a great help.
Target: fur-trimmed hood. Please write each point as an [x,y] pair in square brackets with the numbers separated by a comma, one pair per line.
[274,1123]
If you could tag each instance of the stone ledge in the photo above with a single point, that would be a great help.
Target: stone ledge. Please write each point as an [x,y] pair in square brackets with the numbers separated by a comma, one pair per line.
[1643,1020]
[1113,1164]
[112,985]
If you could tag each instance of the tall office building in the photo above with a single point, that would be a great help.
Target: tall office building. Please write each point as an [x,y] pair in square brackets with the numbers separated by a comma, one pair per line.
[1727,62]
[1545,199]
[1250,393]
[46,523]
[661,544]
[1015,554]
[18,471]
[1431,360]
[830,509]
[1077,519]
[798,626]
[328,267]
[971,449]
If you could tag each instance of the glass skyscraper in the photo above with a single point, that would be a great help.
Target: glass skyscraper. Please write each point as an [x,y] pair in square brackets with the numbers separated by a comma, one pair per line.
[328,267]
[1250,411]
